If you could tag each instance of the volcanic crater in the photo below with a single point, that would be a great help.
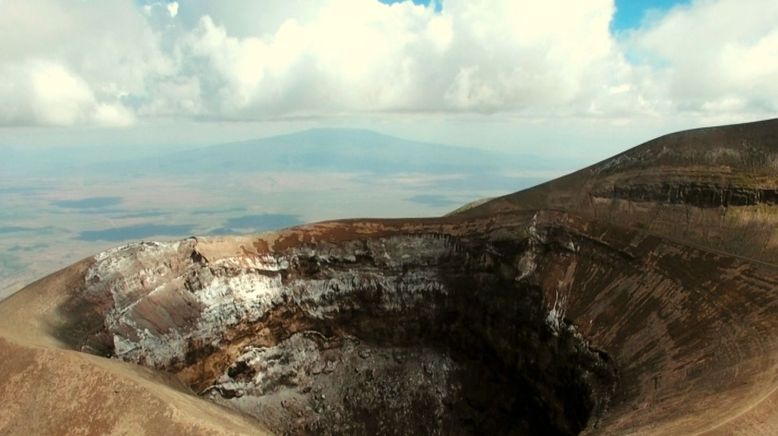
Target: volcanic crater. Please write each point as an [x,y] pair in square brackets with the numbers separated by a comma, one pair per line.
[408,333]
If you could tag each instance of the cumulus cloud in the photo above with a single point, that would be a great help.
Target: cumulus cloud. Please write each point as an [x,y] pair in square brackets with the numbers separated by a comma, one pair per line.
[75,62]
[473,56]
[42,92]
[112,62]
[713,56]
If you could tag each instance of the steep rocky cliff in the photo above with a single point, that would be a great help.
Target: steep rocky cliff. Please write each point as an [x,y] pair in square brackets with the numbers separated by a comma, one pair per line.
[586,305]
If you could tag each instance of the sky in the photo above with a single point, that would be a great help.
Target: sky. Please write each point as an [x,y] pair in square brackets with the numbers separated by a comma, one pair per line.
[628,14]
[556,77]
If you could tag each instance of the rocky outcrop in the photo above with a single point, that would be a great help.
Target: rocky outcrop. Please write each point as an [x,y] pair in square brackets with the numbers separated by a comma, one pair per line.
[699,195]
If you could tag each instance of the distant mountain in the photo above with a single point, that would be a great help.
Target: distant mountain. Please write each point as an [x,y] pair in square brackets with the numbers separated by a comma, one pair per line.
[314,150]
[333,150]
[339,150]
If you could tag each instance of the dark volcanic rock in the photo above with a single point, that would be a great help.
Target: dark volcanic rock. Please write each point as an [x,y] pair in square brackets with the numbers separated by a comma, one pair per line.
[700,195]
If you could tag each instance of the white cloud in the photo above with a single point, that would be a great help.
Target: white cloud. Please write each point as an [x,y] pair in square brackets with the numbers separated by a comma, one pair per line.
[42,92]
[713,57]
[57,95]
[113,61]
[474,56]
[172,9]
[112,115]
[75,62]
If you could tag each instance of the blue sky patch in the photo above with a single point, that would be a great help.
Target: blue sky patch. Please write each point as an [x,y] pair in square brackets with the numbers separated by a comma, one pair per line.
[438,4]
[630,13]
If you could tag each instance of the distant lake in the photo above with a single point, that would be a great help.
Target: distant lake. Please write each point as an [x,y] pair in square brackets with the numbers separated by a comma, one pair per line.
[241,224]
[88,202]
[138,231]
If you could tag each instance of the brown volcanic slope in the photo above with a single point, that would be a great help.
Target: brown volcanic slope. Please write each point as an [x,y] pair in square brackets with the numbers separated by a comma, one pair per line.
[622,299]
[715,187]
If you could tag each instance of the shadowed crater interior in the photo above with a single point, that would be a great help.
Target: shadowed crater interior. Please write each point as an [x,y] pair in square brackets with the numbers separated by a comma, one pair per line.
[418,334]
